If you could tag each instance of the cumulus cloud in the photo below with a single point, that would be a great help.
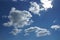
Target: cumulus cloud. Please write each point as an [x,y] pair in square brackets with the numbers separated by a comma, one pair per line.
[39,31]
[15,31]
[34,8]
[46,4]
[18,18]
[55,27]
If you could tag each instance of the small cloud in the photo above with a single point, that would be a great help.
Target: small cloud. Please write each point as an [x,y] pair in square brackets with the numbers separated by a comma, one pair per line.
[54,21]
[39,31]
[46,4]
[8,24]
[55,27]
[34,8]
[15,31]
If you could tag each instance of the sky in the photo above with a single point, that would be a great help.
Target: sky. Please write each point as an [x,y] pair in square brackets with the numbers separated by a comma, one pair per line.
[29,20]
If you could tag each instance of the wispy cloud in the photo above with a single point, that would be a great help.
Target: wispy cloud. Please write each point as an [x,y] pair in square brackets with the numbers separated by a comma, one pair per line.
[39,31]
[16,31]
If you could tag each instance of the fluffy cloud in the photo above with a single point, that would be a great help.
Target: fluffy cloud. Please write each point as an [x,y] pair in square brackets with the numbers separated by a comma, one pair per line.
[39,31]
[15,31]
[18,18]
[55,27]
[35,8]
[46,4]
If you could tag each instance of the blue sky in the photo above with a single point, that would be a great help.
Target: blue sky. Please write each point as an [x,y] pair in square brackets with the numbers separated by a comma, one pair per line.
[49,19]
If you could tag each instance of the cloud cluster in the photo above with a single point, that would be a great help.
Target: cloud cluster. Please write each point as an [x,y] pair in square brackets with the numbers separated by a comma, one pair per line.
[19,19]
[55,27]
[37,8]
[39,31]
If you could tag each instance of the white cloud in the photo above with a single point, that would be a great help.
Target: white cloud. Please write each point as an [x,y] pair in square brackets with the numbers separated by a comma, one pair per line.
[39,31]
[46,4]
[15,31]
[34,8]
[8,24]
[55,27]
[18,18]
[37,8]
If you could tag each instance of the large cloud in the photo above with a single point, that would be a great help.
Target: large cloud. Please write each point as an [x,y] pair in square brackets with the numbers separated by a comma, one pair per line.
[55,27]
[39,31]
[46,4]
[18,18]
